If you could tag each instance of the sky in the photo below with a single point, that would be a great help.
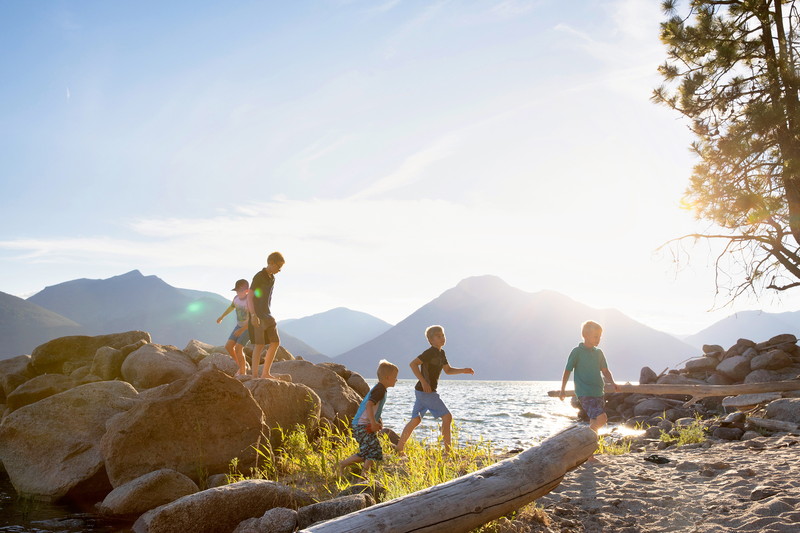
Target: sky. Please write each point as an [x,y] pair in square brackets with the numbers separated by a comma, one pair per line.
[389,149]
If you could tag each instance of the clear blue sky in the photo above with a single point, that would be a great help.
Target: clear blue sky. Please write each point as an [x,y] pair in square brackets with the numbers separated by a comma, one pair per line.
[388,149]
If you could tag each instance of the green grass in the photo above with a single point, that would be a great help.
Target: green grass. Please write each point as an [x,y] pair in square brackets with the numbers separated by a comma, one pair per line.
[691,434]
[606,446]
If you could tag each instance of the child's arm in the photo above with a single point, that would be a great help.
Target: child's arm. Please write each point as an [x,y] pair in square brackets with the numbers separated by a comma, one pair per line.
[374,425]
[251,308]
[228,310]
[449,370]
[564,380]
[416,368]
[607,373]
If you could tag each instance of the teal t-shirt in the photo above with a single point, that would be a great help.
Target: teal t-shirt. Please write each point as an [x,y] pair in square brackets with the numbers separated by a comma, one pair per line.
[587,364]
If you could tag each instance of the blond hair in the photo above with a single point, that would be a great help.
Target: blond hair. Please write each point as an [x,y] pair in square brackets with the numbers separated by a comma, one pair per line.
[590,325]
[431,330]
[386,369]
[276,258]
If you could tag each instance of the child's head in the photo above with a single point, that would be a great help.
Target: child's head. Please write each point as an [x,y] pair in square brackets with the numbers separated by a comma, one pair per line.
[435,336]
[387,373]
[591,332]
[275,262]
[241,286]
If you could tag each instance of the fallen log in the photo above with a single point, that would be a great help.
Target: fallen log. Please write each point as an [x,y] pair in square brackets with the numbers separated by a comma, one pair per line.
[745,402]
[474,499]
[774,425]
[699,391]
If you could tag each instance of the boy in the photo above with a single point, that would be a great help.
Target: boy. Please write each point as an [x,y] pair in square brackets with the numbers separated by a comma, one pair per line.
[367,421]
[589,364]
[427,367]
[240,335]
[263,327]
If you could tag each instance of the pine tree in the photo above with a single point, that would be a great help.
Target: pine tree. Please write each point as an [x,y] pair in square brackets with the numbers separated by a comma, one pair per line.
[732,69]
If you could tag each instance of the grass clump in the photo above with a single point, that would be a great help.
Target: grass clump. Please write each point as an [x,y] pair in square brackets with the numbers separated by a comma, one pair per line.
[607,446]
[691,434]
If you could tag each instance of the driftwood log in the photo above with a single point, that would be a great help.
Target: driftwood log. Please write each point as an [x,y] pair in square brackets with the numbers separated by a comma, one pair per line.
[774,425]
[699,391]
[474,499]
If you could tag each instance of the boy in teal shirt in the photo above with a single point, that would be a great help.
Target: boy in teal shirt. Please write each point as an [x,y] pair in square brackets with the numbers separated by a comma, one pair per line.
[589,364]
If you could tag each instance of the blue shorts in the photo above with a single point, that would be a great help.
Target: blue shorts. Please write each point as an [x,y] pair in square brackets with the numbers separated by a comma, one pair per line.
[593,405]
[368,445]
[428,401]
[242,339]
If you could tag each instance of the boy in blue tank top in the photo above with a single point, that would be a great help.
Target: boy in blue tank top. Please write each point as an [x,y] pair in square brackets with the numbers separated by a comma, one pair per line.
[367,421]
[589,364]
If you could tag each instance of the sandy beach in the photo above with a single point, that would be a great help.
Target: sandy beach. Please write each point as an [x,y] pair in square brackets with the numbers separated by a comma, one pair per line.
[751,486]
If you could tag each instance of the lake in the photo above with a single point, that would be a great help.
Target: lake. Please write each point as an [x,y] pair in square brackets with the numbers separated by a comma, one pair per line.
[510,414]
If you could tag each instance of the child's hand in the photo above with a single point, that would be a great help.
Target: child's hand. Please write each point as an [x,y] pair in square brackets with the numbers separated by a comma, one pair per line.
[616,387]
[561,395]
[219,320]
[469,371]
[426,387]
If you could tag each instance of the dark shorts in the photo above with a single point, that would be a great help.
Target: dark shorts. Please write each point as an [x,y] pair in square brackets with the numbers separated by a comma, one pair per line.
[368,445]
[266,333]
[593,405]
[428,401]
[242,339]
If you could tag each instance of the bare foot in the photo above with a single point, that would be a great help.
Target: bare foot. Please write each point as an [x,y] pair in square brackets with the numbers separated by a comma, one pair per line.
[268,376]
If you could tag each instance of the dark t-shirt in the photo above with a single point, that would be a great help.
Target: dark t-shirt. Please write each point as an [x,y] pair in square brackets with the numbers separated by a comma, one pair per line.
[263,283]
[433,360]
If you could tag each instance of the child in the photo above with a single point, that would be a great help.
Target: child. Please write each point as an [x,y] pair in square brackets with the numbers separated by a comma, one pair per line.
[427,367]
[240,335]
[263,327]
[589,364]
[367,421]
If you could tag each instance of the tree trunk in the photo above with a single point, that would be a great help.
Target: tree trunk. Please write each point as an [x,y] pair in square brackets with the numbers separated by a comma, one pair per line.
[474,499]
[698,392]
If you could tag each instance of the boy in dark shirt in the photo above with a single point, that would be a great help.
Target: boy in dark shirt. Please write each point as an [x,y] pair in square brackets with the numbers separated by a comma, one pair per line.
[263,328]
[427,367]
[367,421]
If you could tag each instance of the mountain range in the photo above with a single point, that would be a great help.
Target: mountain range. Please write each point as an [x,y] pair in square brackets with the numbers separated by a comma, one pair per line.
[500,331]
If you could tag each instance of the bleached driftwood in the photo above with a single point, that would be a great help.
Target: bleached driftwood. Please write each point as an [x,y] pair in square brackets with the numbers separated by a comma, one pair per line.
[699,391]
[474,499]
[774,425]
[743,402]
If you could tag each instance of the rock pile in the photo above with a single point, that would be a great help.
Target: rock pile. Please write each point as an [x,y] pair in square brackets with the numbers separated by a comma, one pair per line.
[746,362]
[137,428]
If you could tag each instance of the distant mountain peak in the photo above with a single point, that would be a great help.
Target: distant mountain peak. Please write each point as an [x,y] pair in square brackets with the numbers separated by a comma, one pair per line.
[132,274]
[482,283]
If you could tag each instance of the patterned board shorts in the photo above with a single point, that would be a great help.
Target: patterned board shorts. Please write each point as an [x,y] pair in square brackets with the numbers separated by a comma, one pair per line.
[368,445]
[593,405]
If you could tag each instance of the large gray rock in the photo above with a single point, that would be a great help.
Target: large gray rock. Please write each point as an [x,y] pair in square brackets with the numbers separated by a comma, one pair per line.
[147,492]
[330,509]
[677,379]
[222,362]
[786,409]
[195,426]
[78,350]
[154,364]
[277,520]
[220,508]
[703,364]
[650,406]
[736,367]
[13,373]
[38,388]
[762,376]
[107,363]
[285,405]
[647,375]
[198,350]
[339,401]
[358,384]
[771,360]
[51,449]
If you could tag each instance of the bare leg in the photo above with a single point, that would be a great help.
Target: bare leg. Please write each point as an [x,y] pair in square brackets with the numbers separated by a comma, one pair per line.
[353,459]
[413,423]
[257,348]
[273,347]
[238,356]
[447,422]
[229,346]
[599,422]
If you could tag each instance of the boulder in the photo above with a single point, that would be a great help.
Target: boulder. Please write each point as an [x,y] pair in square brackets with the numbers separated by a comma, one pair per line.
[330,509]
[147,492]
[713,349]
[51,449]
[762,376]
[154,364]
[277,520]
[78,349]
[341,370]
[195,426]
[38,388]
[728,433]
[650,406]
[677,379]
[786,338]
[285,405]
[339,401]
[786,409]
[358,384]
[735,367]
[107,363]
[704,364]
[771,360]
[198,350]
[222,362]
[13,373]
[647,376]
[220,508]
[718,379]
[281,355]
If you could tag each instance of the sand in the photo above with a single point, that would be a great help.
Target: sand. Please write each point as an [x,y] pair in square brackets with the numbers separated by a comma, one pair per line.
[740,486]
